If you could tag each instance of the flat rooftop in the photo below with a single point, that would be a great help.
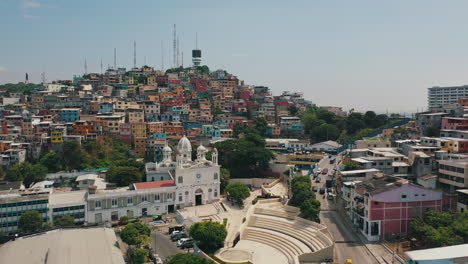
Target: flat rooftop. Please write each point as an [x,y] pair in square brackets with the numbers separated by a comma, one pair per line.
[71,246]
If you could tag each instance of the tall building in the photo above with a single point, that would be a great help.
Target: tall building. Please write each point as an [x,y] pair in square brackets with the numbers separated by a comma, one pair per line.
[440,96]
[196,57]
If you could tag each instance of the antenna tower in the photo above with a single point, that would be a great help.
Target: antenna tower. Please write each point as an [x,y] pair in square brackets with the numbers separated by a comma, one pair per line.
[178,54]
[134,54]
[182,57]
[85,67]
[101,66]
[115,59]
[43,78]
[162,55]
[174,47]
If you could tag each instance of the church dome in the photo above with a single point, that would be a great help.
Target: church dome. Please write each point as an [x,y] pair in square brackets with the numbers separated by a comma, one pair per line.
[167,149]
[184,145]
[201,148]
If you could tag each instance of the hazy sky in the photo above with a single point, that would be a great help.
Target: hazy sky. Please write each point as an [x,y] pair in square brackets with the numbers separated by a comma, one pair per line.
[357,54]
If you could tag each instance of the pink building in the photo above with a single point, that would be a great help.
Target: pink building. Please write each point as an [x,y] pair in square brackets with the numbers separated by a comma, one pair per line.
[454,123]
[384,207]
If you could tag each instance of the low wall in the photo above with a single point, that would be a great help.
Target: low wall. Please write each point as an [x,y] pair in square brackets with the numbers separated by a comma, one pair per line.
[52,176]
[317,256]
[255,182]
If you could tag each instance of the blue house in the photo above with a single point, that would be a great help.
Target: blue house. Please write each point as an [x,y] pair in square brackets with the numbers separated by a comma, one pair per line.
[70,114]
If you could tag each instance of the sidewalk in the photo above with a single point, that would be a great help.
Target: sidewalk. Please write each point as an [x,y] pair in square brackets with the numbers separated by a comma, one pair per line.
[381,254]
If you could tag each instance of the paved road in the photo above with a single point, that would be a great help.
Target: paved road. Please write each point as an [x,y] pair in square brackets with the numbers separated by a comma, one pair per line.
[163,246]
[347,244]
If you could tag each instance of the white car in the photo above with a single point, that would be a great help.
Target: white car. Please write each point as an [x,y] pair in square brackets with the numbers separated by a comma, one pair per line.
[182,240]
[319,170]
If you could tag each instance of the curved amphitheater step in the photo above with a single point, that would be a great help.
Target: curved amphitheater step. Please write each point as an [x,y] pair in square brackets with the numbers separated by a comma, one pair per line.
[305,235]
[276,240]
[277,213]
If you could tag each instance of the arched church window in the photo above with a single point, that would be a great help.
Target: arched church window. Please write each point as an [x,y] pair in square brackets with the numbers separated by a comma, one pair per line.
[180,179]
[209,190]
[216,176]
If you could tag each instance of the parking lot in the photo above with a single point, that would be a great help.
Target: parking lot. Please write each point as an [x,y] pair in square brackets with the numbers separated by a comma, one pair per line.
[162,244]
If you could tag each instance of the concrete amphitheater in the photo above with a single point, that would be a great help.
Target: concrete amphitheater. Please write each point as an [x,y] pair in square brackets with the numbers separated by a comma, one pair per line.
[273,233]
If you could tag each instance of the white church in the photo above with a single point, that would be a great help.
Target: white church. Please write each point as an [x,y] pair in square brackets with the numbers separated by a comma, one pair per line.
[170,185]
[197,181]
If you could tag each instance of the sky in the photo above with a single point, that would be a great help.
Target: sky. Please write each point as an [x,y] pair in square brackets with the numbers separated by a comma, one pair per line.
[367,55]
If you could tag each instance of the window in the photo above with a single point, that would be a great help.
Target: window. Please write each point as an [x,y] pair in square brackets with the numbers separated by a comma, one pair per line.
[376,203]
[114,202]
[403,196]
[144,198]
[180,197]
[180,179]
[97,204]
[129,200]
[215,176]
[216,193]
[169,196]
[157,197]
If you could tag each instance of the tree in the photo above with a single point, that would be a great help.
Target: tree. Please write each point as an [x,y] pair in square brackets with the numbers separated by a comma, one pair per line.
[123,176]
[27,173]
[238,190]
[261,125]
[73,158]
[64,220]
[139,255]
[224,179]
[30,221]
[293,110]
[354,123]
[350,165]
[432,131]
[301,193]
[370,119]
[310,209]
[325,132]
[441,228]
[136,233]
[51,160]
[209,235]
[181,258]
[243,157]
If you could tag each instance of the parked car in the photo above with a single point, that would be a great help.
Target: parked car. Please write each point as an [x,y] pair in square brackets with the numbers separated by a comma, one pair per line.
[187,244]
[178,236]
[325,171]
[314,188]
[184,241]
[176,228]
[318,170]
[329,190]
[318,179]
[330,196]
[322,190]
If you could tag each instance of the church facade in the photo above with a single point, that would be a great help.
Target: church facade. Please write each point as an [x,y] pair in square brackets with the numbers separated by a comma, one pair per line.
[170,184]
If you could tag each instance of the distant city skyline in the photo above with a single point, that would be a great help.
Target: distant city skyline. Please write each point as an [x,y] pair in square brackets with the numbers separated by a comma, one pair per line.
[362,54]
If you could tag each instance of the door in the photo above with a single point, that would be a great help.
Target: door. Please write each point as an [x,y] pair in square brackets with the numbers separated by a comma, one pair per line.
[198,199]
[144,211]
[98,218]
[170,208]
